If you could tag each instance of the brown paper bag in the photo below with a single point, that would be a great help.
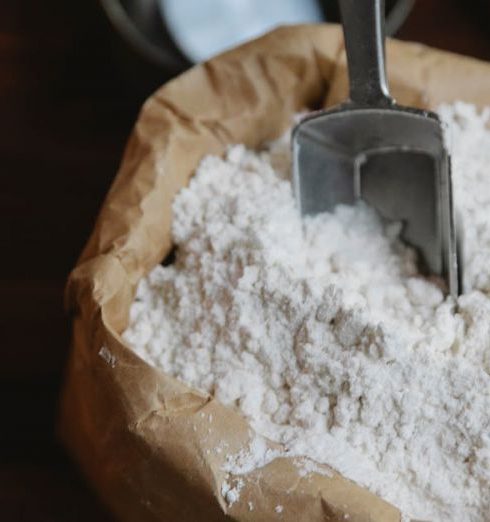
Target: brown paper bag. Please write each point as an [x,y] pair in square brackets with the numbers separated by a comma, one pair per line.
[143,439]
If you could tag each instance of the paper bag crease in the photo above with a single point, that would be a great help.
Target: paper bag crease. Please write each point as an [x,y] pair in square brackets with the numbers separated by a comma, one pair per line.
[146,441]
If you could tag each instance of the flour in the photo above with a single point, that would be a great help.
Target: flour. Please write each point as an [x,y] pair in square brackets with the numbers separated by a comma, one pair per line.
[256,455]
[324,336]
[231,492]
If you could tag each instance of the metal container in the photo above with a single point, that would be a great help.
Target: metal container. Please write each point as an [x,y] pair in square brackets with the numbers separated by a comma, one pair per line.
[152,30]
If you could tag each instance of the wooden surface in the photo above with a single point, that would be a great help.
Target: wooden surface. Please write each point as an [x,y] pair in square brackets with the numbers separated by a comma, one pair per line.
[66,108]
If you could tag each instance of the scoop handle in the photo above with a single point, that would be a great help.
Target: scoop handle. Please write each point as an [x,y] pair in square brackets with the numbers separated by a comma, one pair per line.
[363,23]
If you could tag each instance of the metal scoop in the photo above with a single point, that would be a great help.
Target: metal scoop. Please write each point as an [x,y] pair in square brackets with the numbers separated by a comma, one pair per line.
[369,147]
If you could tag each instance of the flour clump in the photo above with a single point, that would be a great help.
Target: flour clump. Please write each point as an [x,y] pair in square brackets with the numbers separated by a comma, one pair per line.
[324,335]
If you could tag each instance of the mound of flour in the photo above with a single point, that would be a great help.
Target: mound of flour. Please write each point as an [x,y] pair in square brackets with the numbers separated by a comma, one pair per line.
[322,333]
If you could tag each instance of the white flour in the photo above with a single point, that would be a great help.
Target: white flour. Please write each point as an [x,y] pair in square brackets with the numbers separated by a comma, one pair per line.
[323,335]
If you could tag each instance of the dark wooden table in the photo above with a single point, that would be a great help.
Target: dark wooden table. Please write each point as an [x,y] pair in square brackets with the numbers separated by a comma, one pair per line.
[66,108]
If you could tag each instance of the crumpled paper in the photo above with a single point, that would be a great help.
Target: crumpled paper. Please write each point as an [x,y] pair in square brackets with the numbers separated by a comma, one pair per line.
[145,441]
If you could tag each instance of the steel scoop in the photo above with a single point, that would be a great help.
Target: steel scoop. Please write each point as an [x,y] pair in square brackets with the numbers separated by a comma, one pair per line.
[369,147]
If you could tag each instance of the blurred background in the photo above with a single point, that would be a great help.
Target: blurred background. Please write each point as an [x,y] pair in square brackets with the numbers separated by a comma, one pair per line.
[73,75]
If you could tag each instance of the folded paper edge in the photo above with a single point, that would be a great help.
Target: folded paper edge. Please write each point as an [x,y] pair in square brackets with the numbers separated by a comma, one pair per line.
[111,395]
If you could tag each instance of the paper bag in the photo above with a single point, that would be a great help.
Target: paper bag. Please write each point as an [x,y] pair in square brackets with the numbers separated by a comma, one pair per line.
[144,440]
